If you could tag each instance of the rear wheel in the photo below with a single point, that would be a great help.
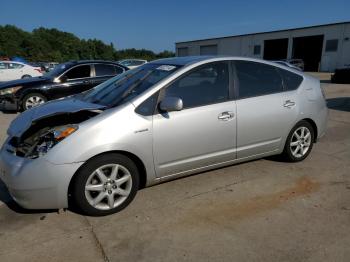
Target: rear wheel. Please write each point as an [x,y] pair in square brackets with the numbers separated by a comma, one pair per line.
[299,142]
[33,100]
[26,76]
[105,185]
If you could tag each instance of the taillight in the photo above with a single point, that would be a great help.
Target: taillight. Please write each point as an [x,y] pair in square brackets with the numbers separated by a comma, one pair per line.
[38,69]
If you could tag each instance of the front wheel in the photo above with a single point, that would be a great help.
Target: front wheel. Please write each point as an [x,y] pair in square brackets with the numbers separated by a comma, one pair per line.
[105,185]
[299,142]
[33,100]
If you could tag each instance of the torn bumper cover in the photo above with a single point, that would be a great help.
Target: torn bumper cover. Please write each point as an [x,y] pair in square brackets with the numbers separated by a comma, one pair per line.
[36,183]
[8,103]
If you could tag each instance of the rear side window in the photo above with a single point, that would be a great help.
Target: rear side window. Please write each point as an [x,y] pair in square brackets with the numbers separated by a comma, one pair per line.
[104,70]
[118,70]
[79,72]
[291,81]
[257,79]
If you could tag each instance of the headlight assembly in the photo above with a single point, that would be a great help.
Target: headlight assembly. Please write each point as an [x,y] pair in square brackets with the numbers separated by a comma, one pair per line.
[49,139]
[10,90]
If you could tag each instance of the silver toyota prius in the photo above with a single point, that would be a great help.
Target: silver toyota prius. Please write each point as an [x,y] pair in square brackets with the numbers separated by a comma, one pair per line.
[166,119]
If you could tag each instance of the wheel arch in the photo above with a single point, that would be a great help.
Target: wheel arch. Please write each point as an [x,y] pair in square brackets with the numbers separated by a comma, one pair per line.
[140,166]
[314,126]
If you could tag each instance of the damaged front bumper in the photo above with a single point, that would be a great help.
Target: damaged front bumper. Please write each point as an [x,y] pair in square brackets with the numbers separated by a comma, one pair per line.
[36,183]
[8,103]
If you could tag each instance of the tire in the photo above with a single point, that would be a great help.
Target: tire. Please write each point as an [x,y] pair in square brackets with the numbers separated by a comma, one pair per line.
[93,196]
[26,76]
[32,100]
[305,144]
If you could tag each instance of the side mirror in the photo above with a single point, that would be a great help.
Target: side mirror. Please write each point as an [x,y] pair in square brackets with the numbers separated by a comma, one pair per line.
[169,104]
[63,79]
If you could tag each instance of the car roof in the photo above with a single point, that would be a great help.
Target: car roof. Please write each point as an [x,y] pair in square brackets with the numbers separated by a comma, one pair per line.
[12,62]
[92,61]
[182,60]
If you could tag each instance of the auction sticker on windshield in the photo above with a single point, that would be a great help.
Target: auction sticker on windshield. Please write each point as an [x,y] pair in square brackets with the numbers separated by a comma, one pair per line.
[166,67]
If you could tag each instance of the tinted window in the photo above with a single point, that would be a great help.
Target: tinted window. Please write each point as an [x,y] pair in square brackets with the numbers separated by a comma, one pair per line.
[3,66]
[256,79]
[104,70]
[79,72]
[206,85]
[291,81]
[118,70]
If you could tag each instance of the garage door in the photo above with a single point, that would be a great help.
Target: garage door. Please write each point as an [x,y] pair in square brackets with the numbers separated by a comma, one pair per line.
[209,50]
[182,51]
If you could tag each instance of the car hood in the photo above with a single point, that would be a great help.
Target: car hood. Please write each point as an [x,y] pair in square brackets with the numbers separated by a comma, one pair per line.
[69,105]
[24,82]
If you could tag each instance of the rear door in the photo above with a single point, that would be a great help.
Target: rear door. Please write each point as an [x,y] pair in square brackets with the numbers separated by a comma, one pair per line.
[204,132]
[263,120]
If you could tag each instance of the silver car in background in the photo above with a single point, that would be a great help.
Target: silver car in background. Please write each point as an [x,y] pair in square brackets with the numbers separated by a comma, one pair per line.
[166,119]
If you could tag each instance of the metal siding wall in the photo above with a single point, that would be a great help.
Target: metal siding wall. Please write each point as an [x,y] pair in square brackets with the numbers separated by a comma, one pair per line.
[244,45]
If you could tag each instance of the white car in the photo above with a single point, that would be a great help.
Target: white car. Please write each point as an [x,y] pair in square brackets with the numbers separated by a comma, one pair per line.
[16,70]
[132,63]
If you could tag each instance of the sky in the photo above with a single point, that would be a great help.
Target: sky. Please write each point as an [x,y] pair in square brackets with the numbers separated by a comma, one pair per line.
[157,25]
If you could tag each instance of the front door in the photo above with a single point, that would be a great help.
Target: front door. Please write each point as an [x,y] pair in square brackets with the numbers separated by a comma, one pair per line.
[203,133]
[77,80]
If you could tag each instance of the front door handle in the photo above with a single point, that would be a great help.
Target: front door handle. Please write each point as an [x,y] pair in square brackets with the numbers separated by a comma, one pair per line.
[289,104]
[225,116]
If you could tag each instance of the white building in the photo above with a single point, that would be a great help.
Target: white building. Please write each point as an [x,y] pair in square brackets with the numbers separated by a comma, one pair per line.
[322,47]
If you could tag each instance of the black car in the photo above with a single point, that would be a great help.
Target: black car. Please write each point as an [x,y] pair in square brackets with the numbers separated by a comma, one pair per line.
[66,79]
[341,76]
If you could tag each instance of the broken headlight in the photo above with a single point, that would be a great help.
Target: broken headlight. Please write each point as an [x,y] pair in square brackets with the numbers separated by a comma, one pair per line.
[10,90]
[49,139]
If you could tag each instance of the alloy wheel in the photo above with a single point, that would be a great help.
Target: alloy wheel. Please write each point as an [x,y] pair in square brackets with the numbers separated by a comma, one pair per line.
[34,101]
[300,142]
[108,186]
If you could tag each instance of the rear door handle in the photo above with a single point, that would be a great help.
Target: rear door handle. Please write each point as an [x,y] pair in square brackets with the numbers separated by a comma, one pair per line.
[289,104]
[225,116]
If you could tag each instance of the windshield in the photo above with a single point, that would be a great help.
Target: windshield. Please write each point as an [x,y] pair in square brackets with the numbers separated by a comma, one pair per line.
[59,69]
[128,85]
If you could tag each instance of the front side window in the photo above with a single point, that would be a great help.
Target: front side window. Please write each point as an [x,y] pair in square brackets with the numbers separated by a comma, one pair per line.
[104,70]
[14,66]
[256,79]
[82,71]
[206,85]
